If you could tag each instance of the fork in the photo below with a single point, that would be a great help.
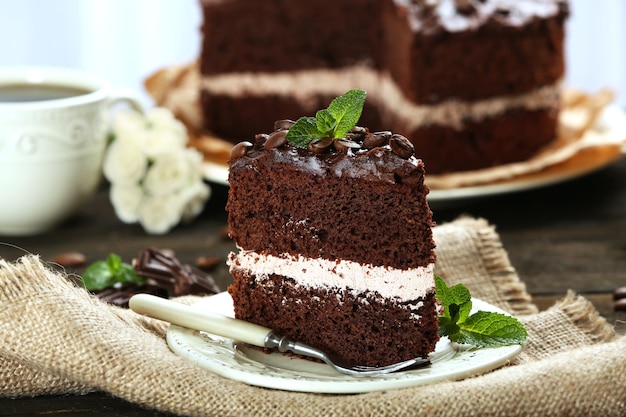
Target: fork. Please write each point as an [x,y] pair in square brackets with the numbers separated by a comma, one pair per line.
[243,331]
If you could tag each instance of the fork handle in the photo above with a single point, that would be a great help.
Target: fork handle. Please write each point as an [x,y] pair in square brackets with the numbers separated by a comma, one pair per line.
[196,319]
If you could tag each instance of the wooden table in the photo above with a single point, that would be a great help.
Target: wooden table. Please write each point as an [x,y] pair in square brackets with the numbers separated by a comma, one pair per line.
[566,236]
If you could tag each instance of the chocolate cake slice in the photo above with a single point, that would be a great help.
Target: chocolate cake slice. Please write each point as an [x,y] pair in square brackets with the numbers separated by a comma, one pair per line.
[335,243]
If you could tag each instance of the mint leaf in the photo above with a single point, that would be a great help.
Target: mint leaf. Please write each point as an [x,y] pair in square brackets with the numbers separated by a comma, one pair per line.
[338,119]
[347,110]
[304,131]
[325,122]
[490,329]
[481,329]
[114,262]
[98,276]
[456,300]
[105,274]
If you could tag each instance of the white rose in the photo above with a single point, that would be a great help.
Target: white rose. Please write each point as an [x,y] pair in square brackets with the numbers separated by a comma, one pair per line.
[160,118]
[169,173]
[193,199]
[128,122]
[195,160]
[126,200]
[159,214]
[125,162]
[158,141]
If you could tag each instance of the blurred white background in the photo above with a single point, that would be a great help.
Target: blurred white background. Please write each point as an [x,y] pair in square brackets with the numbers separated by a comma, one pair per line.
[125,41]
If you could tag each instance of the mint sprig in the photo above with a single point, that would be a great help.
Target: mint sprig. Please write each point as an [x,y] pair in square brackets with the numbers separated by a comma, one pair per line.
[339,118]
[481,329]
[104,274]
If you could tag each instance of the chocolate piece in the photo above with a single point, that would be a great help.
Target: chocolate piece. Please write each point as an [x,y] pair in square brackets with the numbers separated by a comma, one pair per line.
[167,272]
[120,296]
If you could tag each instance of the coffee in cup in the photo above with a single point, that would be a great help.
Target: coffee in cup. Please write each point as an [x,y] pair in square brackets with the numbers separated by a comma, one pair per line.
[53,136]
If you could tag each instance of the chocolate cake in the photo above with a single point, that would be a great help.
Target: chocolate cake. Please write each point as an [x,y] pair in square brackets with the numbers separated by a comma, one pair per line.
[335,243]
[472,83]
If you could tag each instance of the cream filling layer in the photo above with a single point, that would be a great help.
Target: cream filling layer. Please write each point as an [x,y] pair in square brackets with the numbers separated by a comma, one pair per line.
[303,85]
[405,285]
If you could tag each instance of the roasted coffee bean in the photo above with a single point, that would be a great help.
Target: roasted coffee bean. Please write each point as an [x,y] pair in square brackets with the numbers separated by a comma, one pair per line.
[207,262]
[376,139]
[70,259]
[224,232]
[355,137]
[283,124]
[357,134]
[276,140]
[503,11]
[358,130]
[240,150]
[426,3]
[465,7]
[322,145]
[620,305]
[342,145]
[401,146]
[619,293]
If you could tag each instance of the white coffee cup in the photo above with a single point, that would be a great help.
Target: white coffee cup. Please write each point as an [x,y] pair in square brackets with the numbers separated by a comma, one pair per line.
[53,136]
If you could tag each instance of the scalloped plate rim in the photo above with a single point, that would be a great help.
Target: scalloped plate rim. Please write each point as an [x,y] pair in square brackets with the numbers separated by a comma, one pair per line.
[231,360]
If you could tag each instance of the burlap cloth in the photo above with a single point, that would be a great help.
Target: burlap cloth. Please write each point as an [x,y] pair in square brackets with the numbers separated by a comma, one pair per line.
[55,338]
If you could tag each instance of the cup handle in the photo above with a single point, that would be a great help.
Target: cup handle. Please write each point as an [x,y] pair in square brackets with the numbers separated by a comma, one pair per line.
[125,96]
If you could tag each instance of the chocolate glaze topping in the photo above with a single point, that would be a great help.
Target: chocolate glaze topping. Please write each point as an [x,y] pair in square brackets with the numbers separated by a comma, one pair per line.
[361,153]
[436,16]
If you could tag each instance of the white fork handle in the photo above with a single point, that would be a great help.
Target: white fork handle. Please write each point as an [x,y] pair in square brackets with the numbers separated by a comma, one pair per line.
[196,319]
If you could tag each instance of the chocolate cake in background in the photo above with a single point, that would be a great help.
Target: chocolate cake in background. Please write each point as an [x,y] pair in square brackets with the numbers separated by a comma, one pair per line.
[472,83]
[335,244]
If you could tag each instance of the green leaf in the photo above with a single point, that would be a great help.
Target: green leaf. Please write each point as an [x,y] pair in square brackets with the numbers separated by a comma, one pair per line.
[447,326]
[341,116]
[490,329]
[126,274]
[114,262]
[456,300]
[105,274]
[346,110]
[98,276]
[480,329]
[303,132]
[325,122]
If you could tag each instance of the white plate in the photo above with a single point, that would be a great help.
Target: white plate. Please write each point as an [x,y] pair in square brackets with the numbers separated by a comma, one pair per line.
[237,361]
[591,160]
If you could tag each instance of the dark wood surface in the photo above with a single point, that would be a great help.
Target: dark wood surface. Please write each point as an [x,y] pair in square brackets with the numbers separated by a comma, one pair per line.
[566,236]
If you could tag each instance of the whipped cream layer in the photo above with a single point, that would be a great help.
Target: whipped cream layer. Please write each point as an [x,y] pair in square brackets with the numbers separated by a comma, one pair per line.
[405,285]
[381,89]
